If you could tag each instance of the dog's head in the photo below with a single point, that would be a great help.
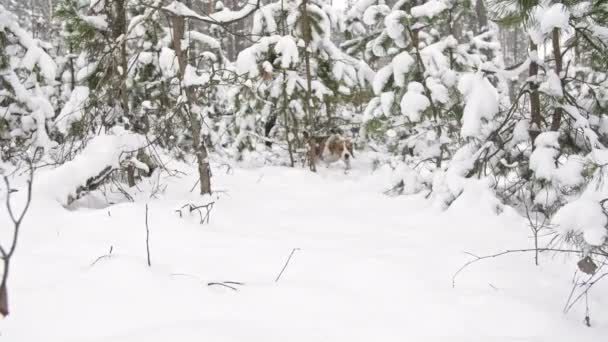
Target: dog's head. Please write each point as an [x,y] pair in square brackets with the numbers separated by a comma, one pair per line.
[340,146]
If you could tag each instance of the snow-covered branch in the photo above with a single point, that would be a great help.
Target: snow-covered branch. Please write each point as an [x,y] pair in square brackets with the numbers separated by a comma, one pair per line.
[223,17]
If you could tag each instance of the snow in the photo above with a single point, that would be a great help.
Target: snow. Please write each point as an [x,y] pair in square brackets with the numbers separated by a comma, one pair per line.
[73,110]
[168,62]
[570,172]
[372,110]
[556,16]
[226,15]
[246,63]
[413,102]
[99,22]
[368,267]
[222,17]
[583,216]
[104,150]
[429,9]
[542,160]
[439,92]
[86,71]
[35,55]
[395,28]
[401,67]
[600,31]
[553,85]
[387,99]
[374,14]
[359,8]
[192,78]
[381,79]
[39,106]
[481,103]
[204,39]
[288,50]
[180,9]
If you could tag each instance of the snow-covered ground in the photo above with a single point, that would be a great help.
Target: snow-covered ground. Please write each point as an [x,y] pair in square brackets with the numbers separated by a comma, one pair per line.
[369,268]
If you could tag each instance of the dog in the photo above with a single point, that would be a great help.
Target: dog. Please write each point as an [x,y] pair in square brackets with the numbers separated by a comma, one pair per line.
[328,149]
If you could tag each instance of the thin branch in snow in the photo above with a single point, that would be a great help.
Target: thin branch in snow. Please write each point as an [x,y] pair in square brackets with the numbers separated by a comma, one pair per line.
[587,285]
[222,284]
[102,257]
[286,263]
[191,207]
[229,284]
[511,251]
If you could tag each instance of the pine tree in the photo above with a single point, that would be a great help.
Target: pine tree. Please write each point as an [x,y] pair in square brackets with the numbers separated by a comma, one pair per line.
[554,165]
[297,75]
[432,67]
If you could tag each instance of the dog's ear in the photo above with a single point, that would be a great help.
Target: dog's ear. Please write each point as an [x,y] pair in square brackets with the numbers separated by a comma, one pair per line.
[305,135]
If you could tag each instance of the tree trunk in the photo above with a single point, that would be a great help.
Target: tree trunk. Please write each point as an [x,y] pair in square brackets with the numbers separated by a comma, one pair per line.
[198,145]
[3,289]
[307,33]
[482,15]
[557,53]
[119,31]
[535,116]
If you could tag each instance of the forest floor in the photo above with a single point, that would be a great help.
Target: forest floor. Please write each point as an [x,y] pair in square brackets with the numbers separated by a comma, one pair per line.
[367,267]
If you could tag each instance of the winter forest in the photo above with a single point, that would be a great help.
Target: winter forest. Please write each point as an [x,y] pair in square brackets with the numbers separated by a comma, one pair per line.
[303,170]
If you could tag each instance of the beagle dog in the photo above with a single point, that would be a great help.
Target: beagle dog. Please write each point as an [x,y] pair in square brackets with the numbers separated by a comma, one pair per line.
[328,149]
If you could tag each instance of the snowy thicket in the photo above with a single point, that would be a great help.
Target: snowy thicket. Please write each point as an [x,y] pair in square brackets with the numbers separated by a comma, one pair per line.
[294,75]
[423,84]
[438,92]
[427,87]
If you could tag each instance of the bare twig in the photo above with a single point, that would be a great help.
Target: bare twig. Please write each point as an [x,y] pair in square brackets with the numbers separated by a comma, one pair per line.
[222,284]
[586,287]
[102,257]
[191,207]
[511,251]
[195,184]
[229,284]
[286,263]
